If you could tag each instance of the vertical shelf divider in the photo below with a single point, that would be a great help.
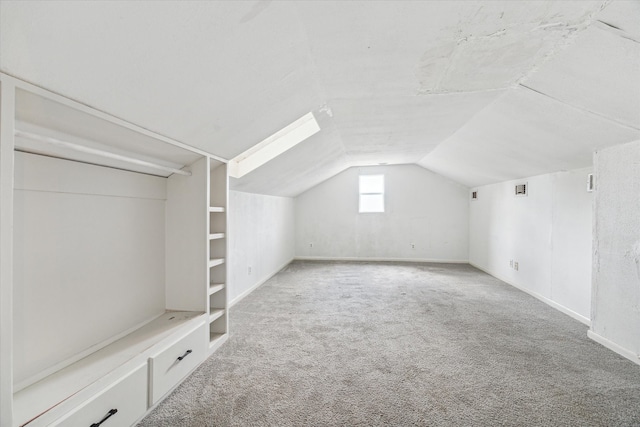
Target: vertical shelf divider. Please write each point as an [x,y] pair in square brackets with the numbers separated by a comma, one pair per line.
[7,126]
[217,252]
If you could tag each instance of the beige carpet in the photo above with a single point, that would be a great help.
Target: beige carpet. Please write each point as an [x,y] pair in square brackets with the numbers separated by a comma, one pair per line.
[360,344]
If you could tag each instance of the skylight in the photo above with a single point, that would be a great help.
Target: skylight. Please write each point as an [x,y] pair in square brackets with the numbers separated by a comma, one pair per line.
[273,146]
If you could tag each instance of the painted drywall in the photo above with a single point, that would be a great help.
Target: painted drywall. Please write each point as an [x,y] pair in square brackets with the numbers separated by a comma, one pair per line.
[388,96]
[616,255]
[96,236]
[421,209]
[547,233]
[524,133]
[261,240]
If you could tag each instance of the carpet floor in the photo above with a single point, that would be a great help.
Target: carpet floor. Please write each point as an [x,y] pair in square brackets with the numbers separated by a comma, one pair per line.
[373,344]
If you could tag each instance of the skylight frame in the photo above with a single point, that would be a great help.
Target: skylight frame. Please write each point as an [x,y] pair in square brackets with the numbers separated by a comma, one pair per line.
[273,146]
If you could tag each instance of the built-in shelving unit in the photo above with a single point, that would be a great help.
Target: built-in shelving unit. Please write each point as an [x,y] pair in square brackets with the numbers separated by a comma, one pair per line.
[128,264]
[56,387]
[218,252]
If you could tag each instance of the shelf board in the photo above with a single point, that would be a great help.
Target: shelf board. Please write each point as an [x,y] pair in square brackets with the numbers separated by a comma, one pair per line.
[215,287]
[215,313]
[216,209]
[215,261]
[214,236]
[214,337]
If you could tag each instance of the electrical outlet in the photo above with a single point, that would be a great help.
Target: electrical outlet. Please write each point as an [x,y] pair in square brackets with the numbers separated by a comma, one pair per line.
[413,246]
[511,263]
[515,265]
[249,271]
[310,245]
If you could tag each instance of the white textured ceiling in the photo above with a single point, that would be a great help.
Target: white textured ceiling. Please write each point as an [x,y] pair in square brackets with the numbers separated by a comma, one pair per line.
[476,91]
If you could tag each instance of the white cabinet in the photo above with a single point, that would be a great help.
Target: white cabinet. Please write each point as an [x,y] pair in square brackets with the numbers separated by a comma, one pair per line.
[113,243]
[170,365]
[122,404]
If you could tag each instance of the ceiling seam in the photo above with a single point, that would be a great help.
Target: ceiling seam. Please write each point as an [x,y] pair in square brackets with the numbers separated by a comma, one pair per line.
[605,26]
[584,110]
[574,31]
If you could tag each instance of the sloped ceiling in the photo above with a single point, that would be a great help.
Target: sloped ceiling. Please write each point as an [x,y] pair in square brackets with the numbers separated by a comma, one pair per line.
[476,91]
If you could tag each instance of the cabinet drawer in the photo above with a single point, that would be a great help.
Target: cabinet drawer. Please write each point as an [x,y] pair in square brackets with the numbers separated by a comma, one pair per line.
[126,399]
[170,365]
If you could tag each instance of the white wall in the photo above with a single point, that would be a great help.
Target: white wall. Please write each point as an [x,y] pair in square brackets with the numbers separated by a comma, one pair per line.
[548,233]
[616,255]
[261,237]
[89,244]
[421,208]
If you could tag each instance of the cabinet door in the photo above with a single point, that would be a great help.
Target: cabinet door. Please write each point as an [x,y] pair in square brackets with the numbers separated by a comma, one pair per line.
[169,366]
[121,404]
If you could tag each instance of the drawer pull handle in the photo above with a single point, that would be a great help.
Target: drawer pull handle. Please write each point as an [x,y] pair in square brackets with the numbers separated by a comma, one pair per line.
[184,355]
[106,417]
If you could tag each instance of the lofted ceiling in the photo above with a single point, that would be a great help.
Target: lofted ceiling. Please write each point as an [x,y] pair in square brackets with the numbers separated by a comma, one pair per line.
[477,91]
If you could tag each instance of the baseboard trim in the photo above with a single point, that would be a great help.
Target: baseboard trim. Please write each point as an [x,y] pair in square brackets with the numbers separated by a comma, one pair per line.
[635,358]
[365,259]
[561,308]
[258,284]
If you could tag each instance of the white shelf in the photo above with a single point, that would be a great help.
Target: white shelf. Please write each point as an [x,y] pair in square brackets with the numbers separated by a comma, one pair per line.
[215,287]
[214,337]
[215,313]
[215,261]
[218,254]
[55,388]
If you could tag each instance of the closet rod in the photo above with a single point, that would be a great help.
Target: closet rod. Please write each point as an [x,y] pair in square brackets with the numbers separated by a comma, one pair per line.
[88,150]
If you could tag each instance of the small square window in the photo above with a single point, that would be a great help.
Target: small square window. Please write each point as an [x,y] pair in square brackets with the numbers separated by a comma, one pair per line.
[371,193]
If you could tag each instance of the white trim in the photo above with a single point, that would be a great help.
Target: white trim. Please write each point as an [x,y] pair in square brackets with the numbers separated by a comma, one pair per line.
[579,317]
[635,358]
[7,126]
[377,259]
[273,146]
[258,284]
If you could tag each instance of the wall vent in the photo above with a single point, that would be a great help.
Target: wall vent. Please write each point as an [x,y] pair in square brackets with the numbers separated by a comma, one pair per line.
[474,195]
[590,183]
[521,189]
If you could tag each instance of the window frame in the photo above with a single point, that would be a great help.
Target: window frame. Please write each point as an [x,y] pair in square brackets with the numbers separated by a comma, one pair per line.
[380,194]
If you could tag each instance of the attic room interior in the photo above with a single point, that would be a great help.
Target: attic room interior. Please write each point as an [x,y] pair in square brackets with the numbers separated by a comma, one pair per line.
[319,213]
